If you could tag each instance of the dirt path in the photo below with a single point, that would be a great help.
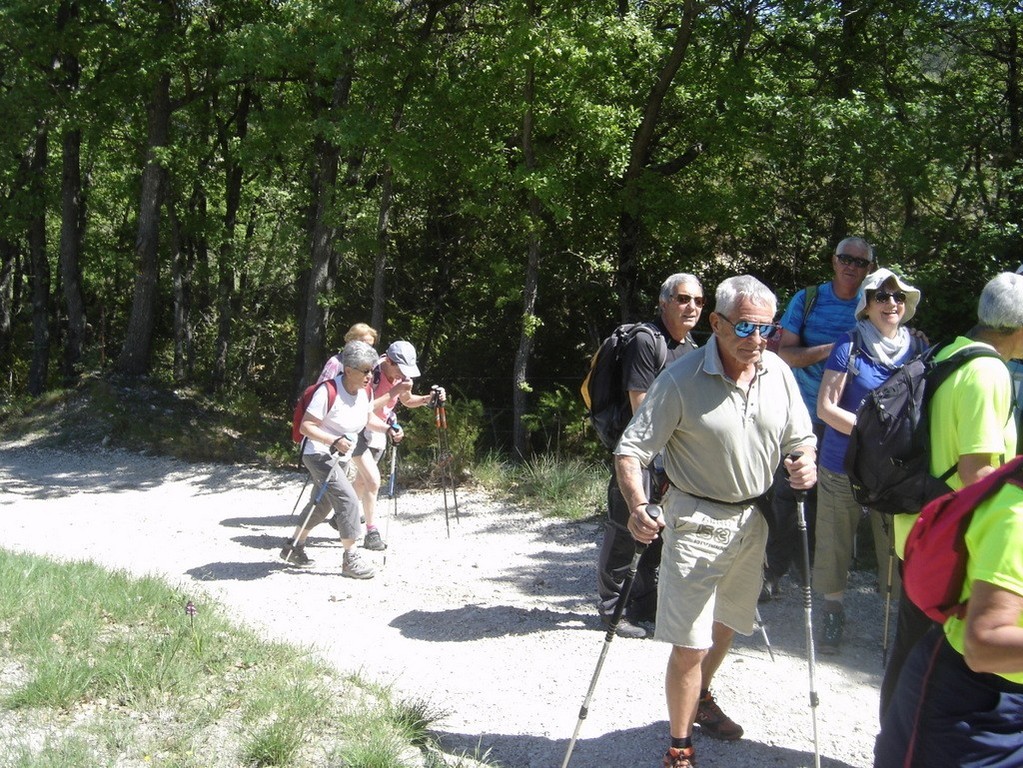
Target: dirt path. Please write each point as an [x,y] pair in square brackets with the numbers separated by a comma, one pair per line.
[493,624]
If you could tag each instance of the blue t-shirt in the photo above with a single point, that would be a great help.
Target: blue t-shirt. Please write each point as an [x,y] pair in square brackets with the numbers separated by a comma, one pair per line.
[872,374]
[829,319]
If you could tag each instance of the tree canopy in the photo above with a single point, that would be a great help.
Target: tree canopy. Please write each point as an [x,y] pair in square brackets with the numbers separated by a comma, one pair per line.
[212,192]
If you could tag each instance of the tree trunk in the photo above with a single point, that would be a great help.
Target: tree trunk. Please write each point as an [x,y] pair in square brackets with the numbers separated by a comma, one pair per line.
[520,382]
[39,267]
[630,227]
[315,283]
[134,358]
[72,222]
[72,208]
[8,270]
[227,260]
[383,240]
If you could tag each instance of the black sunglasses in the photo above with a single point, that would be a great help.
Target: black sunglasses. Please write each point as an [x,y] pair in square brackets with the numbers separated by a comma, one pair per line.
[881,297]
[685,298]
[744,328]
[849,261]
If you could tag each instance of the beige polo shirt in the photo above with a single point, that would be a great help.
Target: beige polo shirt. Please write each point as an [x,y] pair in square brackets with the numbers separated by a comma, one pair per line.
[719,440]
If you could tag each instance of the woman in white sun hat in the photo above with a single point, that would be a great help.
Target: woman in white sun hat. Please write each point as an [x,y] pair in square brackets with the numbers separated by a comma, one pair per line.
[860,361]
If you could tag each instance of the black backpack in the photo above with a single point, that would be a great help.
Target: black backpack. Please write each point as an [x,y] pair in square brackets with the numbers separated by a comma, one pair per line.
[889,454]
[606,401]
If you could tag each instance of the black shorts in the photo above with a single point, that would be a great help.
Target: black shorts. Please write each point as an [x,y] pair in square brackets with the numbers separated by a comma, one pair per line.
[362,445]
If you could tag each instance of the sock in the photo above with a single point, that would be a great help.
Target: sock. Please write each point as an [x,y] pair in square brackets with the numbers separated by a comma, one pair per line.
[683,743]
[370,528]
[704,692]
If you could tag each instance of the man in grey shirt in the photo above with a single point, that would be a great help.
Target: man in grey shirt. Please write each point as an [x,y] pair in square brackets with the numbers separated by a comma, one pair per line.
[723,417]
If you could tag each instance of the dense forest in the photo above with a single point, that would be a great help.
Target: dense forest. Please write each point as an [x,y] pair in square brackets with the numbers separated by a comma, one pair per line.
[210,192]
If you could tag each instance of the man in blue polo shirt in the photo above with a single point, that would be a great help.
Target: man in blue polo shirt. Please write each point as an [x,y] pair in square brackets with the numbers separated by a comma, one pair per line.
[813,320]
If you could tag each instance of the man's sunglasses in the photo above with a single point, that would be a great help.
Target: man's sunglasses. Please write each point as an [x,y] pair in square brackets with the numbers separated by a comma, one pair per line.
[685,298]
[849,261]
[744,328]
[881,297]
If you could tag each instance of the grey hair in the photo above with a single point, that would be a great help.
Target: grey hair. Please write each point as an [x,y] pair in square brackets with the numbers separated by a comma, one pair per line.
[358,354]
[858,242]
[1001,303]
[668,286]
[733,290]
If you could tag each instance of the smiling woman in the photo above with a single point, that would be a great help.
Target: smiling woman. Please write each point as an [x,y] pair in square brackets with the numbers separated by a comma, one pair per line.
[860,361]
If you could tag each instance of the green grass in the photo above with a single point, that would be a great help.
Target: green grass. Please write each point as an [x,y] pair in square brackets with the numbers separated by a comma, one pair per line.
[568,488]
[102,668]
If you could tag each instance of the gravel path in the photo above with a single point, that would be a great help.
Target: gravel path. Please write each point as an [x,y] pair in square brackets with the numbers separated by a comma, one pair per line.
[493,624]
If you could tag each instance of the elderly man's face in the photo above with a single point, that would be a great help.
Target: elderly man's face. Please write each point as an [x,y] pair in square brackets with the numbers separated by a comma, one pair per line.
[851,265]
[682,311]
[735,349]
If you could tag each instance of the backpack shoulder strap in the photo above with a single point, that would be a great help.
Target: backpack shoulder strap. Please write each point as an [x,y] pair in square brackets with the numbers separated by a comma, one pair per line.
[856,344]
[331,392]
[810,294]
[659,340]
[942,370]
[810,300]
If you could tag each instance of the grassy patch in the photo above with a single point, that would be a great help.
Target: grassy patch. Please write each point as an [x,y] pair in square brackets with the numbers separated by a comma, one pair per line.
[562,487]
[100,668]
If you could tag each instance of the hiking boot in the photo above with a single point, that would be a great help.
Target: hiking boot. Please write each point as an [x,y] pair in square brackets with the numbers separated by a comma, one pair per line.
[830,641]
[373,541]
[295,555]
[353,567]
[714,722]
[625,628]
[680,758]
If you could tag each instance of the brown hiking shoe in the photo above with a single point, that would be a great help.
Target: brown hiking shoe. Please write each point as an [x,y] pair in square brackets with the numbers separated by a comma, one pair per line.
[714,722]
[680,758]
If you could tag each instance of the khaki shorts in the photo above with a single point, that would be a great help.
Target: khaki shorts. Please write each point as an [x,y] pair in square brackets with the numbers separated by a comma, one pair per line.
[711,569]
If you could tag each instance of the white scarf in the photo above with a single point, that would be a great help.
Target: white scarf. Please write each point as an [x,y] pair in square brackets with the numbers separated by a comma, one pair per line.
[879,347]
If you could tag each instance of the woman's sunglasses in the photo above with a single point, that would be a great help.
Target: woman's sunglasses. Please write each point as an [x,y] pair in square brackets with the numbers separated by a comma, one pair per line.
[881,297]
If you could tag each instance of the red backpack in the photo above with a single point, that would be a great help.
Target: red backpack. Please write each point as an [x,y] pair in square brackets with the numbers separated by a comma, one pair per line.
[303,404]
[934,569]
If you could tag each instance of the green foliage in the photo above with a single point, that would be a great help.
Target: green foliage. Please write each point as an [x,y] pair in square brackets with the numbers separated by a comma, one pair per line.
[99,656]
[781,131]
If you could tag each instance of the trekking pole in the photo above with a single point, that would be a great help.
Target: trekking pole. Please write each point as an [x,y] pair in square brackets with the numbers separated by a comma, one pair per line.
[449,458]
[807,609]
[391,494]
[763,632]
[888,596]
[306,483]
[335,462]
[444,456]
[654,511]
[300,494]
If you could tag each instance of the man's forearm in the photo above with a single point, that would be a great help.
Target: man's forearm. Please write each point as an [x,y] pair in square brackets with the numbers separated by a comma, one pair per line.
[629,473]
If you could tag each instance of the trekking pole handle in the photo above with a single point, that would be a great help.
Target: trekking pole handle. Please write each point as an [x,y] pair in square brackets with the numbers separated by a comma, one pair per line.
[800,494]
[653,511]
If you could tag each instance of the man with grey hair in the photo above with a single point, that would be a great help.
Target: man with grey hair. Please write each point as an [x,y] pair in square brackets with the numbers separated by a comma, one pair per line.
[651,348]
[814,319]
[722,418]
[332,427]
[971,429]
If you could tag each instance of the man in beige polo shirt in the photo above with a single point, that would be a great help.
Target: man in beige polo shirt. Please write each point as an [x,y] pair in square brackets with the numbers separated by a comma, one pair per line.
[723,417]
